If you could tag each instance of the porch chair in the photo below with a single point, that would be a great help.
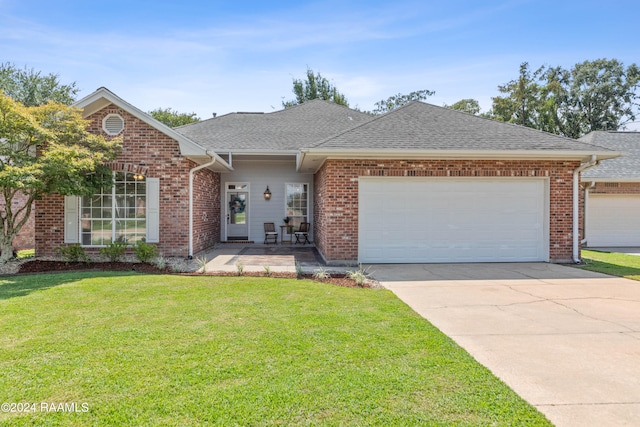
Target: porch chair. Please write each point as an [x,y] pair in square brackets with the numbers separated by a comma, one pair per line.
[270,233]
[302,233]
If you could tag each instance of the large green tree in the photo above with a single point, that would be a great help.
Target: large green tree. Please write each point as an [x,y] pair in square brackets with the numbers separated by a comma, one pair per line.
[400,99]
[46,149]
[31,88]
[315,86]
[173,118]
[467,105]
[592,95]
[521,101]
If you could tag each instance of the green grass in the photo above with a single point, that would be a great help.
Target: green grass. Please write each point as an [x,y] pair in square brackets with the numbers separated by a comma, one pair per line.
[613,263]
[148,350]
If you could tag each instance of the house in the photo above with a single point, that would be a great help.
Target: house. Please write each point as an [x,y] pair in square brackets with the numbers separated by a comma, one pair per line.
[612,192]
[419,184]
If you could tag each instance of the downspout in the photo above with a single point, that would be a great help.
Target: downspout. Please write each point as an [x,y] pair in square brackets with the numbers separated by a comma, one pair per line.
[576,206]
[586,199]
[191,173]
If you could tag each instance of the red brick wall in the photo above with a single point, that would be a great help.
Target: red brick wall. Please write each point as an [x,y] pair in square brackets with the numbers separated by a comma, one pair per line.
[26,237]
[336,196]
[615,188]
[49,224]
[206,209]
[151,152]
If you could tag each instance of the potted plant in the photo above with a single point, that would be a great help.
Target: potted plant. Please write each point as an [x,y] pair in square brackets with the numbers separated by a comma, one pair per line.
[286,219]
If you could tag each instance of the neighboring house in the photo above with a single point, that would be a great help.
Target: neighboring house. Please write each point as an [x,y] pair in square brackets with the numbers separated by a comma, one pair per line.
[612,201]
[419,184]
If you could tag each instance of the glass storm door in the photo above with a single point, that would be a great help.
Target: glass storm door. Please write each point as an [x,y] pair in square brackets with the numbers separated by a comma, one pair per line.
[238,215]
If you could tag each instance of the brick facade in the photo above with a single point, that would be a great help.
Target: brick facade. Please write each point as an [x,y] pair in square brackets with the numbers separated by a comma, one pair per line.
[206,209]
[615,188]
[154,154]
[336,196]
[26,237]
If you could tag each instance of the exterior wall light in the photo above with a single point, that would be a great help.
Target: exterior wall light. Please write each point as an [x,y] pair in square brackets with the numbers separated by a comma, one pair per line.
[267,194]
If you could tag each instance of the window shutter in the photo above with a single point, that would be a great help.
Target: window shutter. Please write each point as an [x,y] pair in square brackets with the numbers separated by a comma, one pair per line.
[153,210]
[71,219]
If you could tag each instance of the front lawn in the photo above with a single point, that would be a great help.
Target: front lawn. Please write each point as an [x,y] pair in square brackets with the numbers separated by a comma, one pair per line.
[132,349]
[613,263]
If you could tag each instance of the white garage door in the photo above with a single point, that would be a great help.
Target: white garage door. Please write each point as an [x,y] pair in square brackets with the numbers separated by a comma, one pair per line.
[452,220]
[613,220]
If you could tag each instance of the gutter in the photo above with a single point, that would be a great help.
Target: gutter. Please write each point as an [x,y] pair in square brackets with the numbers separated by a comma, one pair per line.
[576,205]
[191,173]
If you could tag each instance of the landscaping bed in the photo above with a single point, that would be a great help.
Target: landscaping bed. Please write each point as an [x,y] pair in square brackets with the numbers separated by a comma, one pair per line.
[50,266]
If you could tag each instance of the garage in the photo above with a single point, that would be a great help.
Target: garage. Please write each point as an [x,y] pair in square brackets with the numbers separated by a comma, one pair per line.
[416,220]
[613,220]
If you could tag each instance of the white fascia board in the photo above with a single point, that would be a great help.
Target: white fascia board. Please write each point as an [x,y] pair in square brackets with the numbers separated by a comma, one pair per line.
[188,148]
[261,152]
[464,154]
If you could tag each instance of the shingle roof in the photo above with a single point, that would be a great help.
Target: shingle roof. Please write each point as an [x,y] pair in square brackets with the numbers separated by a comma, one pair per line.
[625,167]
[421,126]
[288,129]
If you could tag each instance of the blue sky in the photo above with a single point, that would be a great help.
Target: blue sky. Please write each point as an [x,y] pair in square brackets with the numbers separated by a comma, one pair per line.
[211,56]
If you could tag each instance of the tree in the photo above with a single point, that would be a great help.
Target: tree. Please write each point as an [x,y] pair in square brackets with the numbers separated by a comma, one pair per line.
[315,87]
[173,118]
[32,88]
[400,99]
[522,101]
[469,105]
[593,95]
[46,149]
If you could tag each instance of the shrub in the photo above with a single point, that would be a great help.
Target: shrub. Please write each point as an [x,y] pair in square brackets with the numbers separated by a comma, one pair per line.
[114,250]
[161,263]
[267,270]
[240,268]
[359,275]
[321,274]
[202,264]
[73,253]
[25,253]
[299,271]
[145,252]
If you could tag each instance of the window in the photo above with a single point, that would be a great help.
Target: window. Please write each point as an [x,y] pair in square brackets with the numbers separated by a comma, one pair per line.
[297,203]
[118,213]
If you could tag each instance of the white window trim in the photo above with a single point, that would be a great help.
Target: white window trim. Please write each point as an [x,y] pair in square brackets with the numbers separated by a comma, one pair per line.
[308,198]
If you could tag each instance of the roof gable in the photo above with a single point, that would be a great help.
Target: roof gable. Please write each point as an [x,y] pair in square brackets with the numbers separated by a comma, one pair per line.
[103,97]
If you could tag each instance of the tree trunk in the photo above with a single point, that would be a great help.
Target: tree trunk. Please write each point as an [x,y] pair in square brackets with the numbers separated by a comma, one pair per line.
[6,249]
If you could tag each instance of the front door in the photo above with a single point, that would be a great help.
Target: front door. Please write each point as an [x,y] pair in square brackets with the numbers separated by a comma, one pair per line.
[237,215]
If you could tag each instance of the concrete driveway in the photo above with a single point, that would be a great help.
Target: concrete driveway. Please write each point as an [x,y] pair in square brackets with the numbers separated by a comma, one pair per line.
[566,340]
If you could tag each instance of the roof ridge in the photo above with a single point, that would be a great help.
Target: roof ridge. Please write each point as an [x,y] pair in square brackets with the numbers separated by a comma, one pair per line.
[375,118]
[316,100]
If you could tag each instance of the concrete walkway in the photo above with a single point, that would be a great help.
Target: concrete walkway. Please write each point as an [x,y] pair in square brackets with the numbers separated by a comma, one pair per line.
[566,340]
[225,257]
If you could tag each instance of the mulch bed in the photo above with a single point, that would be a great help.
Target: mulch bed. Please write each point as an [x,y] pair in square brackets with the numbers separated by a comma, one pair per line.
[42,266]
